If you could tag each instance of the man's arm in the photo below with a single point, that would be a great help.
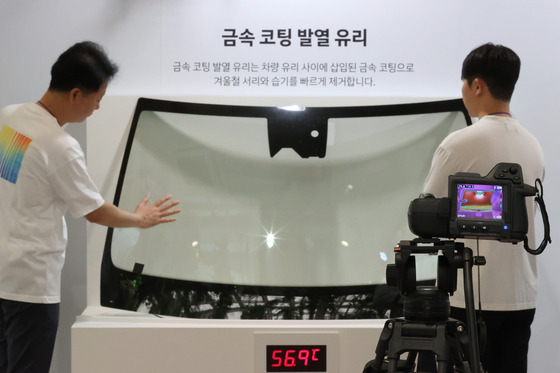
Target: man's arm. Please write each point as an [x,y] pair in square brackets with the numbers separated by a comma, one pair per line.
[144,216]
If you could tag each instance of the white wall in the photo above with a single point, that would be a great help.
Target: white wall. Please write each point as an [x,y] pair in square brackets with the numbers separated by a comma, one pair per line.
[144,36]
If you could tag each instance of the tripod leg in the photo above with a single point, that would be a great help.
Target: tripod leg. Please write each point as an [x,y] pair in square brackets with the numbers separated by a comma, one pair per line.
[376,365]
[426,361]
[393,365]
[458,361]
[442,366]
[411,359]
[474,352]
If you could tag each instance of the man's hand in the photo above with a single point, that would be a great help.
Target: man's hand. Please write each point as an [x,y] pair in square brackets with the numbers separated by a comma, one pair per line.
[157,212]
[145,216]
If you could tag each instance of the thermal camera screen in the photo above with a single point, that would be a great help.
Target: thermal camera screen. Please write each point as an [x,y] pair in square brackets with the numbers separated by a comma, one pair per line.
[479,201]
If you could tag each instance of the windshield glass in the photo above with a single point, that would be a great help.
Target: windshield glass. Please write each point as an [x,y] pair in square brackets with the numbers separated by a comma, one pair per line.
[276,201]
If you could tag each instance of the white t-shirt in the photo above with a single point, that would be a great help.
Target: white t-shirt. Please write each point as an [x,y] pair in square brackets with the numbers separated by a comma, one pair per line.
[42,175]
[509,279]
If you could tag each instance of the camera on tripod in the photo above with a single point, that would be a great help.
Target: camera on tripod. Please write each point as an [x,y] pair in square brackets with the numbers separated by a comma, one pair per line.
[490,207]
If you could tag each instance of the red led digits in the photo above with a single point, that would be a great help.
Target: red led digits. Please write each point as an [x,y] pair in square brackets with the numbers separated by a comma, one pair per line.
[276,358]
[290,361]
[304,356]
[288,358]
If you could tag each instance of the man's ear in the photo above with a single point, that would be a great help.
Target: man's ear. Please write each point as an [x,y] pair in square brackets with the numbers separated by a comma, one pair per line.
[74,93]
[479,86]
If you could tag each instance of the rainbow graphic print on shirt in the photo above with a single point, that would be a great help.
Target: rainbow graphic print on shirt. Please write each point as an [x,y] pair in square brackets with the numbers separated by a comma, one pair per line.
[12,148]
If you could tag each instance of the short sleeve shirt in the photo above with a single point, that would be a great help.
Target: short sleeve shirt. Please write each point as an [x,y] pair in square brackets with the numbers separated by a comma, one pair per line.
[43,175]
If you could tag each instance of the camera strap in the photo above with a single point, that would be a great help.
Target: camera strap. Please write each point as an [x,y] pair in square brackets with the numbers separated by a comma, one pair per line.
[546,224]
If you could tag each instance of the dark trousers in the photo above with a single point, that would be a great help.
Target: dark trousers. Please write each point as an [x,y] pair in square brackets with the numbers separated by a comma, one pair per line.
[27,336]
[507,339]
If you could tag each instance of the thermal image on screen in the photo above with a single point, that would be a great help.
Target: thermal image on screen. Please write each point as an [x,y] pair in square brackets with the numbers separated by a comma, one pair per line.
[479,201]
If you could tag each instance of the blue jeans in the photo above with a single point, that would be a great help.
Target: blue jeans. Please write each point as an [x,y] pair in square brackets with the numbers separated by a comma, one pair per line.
[27,336]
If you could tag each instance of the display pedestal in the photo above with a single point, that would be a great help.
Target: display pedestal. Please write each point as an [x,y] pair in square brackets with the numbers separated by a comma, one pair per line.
[105,340]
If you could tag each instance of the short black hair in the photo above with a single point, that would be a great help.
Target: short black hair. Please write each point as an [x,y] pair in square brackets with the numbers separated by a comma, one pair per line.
[497,65]
[84,65]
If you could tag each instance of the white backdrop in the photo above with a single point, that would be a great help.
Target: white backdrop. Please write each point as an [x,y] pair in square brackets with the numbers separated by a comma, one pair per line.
[149,37]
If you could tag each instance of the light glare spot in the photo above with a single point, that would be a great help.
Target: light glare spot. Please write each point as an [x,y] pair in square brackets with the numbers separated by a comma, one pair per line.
[270,240]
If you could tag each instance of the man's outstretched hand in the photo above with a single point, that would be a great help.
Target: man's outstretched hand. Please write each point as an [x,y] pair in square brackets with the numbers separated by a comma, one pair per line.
[156,213]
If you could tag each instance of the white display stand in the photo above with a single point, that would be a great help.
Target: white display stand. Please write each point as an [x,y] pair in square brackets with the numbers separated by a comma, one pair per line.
[106,341]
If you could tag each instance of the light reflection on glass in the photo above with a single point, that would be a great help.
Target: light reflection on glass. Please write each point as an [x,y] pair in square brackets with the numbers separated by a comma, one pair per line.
[270,240]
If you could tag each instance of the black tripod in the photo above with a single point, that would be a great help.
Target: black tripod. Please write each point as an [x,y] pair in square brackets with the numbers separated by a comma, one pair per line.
[426,332]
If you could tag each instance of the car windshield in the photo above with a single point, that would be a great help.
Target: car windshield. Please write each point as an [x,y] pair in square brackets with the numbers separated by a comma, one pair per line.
[275,201]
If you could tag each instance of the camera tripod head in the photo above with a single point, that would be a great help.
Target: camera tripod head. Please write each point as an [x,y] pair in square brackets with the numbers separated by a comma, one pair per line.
[426,303]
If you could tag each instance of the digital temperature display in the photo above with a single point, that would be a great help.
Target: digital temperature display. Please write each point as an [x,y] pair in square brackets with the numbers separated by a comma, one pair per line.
[296,358]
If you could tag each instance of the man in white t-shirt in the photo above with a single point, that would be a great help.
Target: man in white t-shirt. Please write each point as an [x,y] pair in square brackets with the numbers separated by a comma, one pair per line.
[42,175]
[508,282]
